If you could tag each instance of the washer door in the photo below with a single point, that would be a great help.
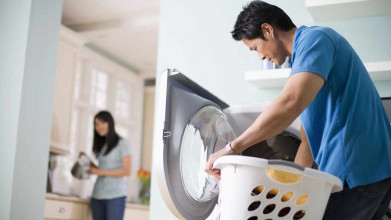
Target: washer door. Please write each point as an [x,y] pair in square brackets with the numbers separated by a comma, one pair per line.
[282,146]
[194,127]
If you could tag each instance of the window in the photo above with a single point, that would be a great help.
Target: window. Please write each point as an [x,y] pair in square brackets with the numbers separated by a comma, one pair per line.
[98,91]
[122,107]
[123,131]
[90,132]
[73,134]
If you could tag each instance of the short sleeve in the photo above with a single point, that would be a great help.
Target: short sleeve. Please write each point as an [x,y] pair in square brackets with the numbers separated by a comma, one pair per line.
[314,53]
[125,148]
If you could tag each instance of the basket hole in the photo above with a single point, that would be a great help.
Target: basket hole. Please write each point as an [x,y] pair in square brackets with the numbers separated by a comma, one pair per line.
[299,215]
[283,176]
[283,212]
[254,205]
[272,193]
[269,209]
[287,196]
[253,218]
[302,200]
[257,190]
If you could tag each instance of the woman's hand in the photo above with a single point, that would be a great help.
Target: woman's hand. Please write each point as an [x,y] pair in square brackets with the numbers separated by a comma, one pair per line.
[125,171]
[93,170]
[212,158]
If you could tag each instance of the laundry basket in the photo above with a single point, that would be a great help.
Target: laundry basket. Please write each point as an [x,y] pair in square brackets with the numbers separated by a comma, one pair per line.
[258,189]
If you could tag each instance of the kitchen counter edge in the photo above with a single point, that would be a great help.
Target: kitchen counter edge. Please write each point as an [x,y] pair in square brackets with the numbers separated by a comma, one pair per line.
[57,197]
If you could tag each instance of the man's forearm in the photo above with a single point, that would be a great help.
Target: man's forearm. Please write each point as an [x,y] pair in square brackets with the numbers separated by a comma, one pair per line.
[279,115]
[297,94]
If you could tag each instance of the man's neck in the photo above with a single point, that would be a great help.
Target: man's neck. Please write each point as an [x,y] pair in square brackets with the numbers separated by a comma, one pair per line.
[287,39]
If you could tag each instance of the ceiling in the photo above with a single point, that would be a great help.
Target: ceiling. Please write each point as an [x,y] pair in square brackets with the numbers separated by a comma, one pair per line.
[126,30]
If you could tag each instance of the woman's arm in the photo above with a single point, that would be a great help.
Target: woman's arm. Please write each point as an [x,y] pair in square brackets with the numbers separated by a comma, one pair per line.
[125,171]
[304,155]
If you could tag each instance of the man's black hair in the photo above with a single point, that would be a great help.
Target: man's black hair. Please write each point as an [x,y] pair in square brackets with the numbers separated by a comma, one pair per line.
[249,21]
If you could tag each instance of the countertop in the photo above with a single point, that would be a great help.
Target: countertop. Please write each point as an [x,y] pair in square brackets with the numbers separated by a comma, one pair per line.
[53,196]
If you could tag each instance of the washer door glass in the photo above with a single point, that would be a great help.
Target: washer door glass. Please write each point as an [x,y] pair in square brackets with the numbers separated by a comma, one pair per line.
[208,131]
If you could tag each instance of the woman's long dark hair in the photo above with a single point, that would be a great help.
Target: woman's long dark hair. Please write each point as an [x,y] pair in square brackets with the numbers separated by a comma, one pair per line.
[111,138]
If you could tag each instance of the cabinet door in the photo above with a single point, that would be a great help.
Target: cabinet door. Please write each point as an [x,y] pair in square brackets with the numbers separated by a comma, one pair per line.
[65,210]
[135,213]
[63,97]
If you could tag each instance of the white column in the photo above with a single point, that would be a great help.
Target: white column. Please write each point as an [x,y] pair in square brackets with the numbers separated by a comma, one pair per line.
[28,48]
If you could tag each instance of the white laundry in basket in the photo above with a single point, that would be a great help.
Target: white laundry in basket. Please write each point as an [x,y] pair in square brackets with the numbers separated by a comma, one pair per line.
[258,189]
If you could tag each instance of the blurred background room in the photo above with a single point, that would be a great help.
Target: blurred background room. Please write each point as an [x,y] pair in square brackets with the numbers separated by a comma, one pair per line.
[106,60]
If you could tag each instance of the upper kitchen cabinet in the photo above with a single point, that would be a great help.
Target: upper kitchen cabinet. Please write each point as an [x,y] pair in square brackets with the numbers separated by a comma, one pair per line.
[66,66]
[323,10]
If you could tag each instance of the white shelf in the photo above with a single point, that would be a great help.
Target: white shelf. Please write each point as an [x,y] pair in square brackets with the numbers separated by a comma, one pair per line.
[323,10]
[379,71]
[268,78]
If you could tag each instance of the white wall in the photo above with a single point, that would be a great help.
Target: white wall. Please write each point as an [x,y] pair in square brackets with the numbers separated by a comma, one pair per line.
[149,109]
[194,37]
[28,45]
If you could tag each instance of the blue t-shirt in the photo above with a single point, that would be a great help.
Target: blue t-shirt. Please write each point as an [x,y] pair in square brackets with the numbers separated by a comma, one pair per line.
[107,187]
[346,124]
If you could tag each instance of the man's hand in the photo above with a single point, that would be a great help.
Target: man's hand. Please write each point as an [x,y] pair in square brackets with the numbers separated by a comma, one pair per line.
[212,158]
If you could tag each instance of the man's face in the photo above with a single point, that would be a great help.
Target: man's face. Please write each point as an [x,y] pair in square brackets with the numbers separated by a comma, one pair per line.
[269,49]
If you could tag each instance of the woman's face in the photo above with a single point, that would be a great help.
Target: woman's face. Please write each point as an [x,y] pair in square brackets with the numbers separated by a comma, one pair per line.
[101,127]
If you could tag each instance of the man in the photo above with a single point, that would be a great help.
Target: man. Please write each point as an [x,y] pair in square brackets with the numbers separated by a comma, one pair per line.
[344,124]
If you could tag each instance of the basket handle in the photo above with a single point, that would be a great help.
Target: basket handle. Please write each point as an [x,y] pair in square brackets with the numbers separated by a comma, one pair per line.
[286,163]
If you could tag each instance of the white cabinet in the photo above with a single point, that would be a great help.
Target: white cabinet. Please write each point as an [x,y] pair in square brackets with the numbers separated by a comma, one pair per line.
[65,210]
[66,66]
[62,102]
[138,212]
[73,208]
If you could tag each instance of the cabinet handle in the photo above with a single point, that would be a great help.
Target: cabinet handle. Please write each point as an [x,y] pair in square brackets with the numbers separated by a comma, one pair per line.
[61,210]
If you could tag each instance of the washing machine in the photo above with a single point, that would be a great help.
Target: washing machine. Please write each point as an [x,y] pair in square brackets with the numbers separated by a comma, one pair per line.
[194,123]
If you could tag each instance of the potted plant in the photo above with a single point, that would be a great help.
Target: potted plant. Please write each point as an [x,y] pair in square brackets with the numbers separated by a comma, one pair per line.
[145,181]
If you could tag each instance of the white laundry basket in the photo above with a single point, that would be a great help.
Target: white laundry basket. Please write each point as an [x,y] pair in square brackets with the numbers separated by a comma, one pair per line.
[258,189]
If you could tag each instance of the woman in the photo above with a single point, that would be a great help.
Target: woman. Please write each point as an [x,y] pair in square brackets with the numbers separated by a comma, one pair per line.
[114,156]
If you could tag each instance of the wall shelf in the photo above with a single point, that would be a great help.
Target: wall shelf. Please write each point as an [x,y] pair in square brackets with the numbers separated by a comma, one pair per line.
[324,10]
[276,78]
[268,78]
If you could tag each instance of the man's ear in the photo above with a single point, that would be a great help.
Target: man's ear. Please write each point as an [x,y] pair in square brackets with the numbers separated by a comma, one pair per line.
[267,30]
